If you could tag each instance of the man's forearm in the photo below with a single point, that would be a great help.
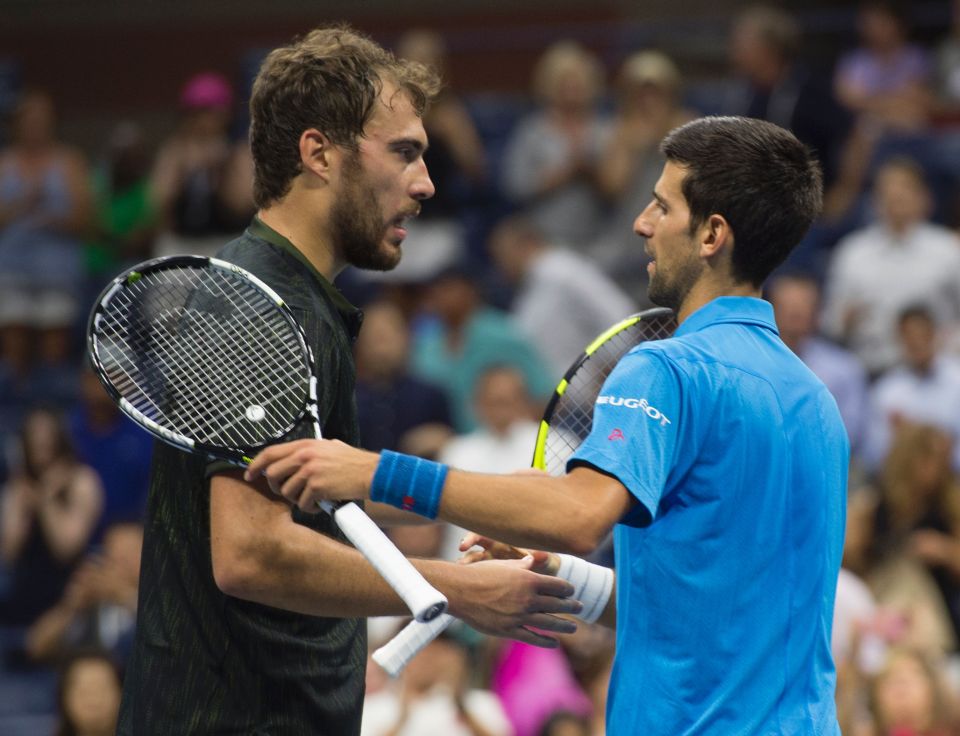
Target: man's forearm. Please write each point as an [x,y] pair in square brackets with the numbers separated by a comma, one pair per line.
[523,510]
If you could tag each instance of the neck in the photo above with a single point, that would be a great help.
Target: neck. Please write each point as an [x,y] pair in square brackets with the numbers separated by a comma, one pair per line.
[704,292]
[287,218]
[899,228]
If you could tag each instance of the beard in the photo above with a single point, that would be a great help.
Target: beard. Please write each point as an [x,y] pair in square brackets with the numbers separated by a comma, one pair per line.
[671,291]
[358,224]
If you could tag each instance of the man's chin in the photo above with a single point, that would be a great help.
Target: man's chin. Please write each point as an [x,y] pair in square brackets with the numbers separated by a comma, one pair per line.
[386,258]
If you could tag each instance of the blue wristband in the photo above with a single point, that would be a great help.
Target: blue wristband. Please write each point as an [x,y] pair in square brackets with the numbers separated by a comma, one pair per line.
[409,483]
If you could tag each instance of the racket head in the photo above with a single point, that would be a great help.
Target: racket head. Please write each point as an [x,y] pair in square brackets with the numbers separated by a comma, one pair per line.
[203,355]
[568,418]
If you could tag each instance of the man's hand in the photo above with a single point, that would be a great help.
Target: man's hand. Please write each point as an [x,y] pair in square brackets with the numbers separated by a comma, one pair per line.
[305,472]
[508,599]
[543,562]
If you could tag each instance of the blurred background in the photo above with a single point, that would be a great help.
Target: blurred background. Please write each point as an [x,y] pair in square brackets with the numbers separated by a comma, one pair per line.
[123,137]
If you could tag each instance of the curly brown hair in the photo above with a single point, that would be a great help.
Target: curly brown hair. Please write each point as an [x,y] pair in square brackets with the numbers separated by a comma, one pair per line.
[328,80]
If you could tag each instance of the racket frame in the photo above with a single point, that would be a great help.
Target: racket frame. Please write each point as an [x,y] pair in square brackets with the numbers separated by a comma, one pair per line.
[240,457]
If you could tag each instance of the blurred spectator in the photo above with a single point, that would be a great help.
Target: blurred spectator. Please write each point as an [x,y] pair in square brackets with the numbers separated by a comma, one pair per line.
[433,698]
[550,164]
[597,689]
[648,106]
[886,81]
[948,67]
[396,411]
[901,260]
[99,607]
[125,222]
[48,511]
[17,348]
[464,339]
[53,378]
[563,301]
[45,208]
[89,701]
[915,537]
[778,87]
[909,697]
[504,440]
[924,388]
[202,183]
[854,612]
[116,448]
[590,651]
[564,723]
[456,162]
[533,684]
[796,304]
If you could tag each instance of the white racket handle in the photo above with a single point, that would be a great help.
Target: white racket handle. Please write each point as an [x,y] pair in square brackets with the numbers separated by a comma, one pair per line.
[397,653]
[424,601]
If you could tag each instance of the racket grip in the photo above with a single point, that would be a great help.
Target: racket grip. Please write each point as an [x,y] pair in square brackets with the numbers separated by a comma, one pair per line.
[397,653]
[424,601]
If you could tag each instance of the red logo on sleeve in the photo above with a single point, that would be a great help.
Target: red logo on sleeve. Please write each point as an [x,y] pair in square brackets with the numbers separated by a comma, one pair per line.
[616,435]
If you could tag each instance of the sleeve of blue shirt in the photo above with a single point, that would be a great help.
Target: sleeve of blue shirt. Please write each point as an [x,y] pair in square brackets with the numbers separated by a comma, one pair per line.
[636,423]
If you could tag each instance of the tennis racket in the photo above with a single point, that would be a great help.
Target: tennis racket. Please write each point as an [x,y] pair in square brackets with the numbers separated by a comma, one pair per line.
[208,358]
[566,422]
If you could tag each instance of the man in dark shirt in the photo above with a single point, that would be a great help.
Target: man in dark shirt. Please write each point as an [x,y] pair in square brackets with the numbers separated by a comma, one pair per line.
[249,612]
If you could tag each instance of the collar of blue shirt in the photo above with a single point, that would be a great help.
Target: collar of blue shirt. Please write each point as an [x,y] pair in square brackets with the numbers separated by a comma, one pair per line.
[742,309]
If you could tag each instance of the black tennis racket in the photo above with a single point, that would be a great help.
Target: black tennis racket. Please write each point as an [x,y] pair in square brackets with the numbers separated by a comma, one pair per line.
[566,423]
[209,359]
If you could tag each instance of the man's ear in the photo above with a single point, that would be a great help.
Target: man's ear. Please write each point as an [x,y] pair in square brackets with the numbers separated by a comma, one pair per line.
[318,154]
[716,235]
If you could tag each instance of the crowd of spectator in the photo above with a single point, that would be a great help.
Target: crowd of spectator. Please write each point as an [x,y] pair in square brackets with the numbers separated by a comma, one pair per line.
[463,344]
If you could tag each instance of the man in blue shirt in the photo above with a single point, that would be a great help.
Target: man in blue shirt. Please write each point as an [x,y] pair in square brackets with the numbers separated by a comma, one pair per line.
[717,456]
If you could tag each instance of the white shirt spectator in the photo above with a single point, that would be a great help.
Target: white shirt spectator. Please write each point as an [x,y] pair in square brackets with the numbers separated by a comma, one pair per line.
[433,715]
[564,303]
[844,376]
[853,615]
[482,451]
[931,398]
[875,275]
[571,213]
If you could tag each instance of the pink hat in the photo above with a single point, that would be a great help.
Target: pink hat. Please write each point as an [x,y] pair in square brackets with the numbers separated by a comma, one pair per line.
[206,90]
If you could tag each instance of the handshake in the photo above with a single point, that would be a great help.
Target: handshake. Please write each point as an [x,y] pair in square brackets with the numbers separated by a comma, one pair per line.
[592,586]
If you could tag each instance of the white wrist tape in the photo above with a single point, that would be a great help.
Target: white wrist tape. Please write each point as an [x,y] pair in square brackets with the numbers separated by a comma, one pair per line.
[592,585]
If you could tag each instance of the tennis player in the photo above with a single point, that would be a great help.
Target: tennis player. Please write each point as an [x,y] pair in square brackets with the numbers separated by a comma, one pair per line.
[718,458]
[249,611]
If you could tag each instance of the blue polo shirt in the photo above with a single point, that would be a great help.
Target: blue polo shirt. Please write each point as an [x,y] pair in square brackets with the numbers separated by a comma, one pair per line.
[727,567]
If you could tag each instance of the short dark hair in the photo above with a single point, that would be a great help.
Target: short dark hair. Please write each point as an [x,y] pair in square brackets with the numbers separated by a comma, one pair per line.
[328,80]
[917,310]
[758,176]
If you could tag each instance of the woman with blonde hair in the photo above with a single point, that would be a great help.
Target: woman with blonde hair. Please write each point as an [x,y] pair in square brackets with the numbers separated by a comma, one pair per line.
[914,540]
[908,697]
[551,158]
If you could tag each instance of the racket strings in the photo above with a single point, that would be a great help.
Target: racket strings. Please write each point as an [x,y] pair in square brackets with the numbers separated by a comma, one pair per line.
[193,370]
[202,353]
[200,347]
[196,331]
[572,418]
[246,333]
